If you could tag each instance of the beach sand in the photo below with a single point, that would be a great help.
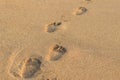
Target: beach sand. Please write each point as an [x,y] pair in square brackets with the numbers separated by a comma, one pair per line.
[59,40]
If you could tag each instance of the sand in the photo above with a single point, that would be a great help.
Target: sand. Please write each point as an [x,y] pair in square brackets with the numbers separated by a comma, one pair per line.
[59,40]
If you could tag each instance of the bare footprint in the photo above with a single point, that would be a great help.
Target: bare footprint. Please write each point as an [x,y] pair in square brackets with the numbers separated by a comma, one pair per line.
[87,0]
[29,67]
[80,11]
[52,27]
[55,53]
[24,67]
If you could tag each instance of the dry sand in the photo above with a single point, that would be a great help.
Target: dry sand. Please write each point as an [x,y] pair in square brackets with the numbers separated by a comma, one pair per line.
[59,40]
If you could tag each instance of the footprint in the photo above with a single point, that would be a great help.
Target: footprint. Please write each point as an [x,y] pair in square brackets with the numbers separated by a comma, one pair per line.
[80,11]
[52,27]
[29,67]
[55,53]
[87,0]
[24,67]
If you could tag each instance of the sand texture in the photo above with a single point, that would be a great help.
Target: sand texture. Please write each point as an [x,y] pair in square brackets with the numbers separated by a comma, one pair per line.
[59,39]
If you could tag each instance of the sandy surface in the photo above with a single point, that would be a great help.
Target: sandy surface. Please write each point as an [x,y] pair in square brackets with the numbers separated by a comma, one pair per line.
[87,40]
